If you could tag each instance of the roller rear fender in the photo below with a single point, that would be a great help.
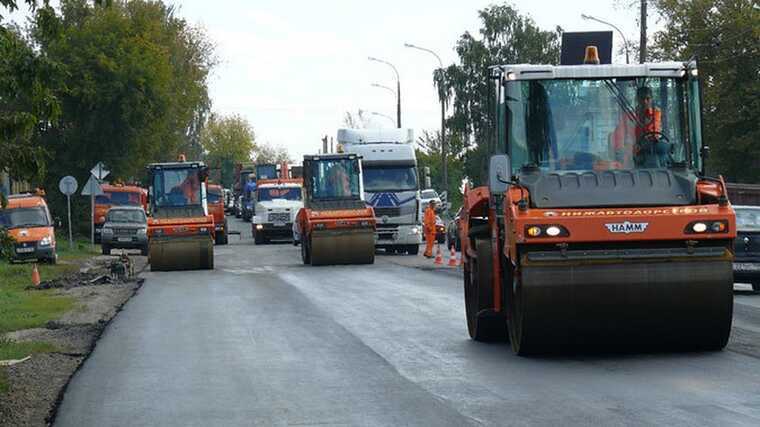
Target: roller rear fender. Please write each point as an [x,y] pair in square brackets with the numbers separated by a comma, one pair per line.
[476,202]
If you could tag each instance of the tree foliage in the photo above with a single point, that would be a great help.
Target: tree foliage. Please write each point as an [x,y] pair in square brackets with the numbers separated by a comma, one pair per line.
[227,140]
[428,155]
[724,35]
[268,153]
[506,37]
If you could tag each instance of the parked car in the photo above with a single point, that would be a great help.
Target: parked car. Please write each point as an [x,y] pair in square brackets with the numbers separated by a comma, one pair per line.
[126,227]
[229,201]
[440,230]
[425,197]
[452,233]
[747,246]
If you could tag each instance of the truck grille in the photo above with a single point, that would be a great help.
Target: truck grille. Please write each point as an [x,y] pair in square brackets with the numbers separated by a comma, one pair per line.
[281,217]
[125,231]
[380,212]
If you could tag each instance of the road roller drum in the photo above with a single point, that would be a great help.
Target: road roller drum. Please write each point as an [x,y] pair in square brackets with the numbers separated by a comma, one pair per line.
[350,246]
[181,253]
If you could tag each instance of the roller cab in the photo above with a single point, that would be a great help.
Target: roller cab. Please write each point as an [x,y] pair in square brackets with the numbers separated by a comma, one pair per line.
[180,230]
[335,226]
[598,229]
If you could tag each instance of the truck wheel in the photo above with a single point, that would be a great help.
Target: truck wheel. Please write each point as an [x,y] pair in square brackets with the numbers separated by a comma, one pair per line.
[483,323]
[258,237]
[144,250]
[305,255]
[413,249]
[756,287]
[106,249]
[54,259]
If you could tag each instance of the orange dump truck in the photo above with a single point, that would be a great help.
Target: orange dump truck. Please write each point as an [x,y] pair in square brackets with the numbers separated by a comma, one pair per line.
[117,195]
[216,209]
[598,228]
[28,221]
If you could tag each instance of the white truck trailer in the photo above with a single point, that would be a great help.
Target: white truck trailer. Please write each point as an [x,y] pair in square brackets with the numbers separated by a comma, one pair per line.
[391,184]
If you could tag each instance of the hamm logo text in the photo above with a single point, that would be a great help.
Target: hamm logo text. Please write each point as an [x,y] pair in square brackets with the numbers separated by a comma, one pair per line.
[627,227]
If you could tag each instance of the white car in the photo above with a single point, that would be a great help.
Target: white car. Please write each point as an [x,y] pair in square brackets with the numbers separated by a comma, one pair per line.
[426,196]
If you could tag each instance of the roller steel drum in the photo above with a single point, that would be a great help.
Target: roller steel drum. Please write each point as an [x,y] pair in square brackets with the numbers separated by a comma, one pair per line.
[181,253]
[631,305]
[352,246]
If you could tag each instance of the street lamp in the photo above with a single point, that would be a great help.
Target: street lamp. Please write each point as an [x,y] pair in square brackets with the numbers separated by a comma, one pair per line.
[398,88]
[625,42]
[444,144]
[375,113]
[384,87]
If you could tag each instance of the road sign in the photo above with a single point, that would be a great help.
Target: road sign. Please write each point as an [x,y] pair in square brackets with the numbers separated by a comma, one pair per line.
[68,185]
[100,171]
[92,188]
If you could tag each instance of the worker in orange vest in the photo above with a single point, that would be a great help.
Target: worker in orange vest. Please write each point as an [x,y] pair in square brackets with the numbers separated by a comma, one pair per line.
[636,133]
[428,224]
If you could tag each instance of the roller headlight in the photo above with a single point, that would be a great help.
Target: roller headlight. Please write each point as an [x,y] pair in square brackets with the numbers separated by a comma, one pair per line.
[546,231]
[700,227]
[553,231]
[534,231]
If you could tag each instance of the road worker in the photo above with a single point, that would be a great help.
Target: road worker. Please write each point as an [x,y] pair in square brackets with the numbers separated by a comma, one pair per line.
[637,141]
[428,225]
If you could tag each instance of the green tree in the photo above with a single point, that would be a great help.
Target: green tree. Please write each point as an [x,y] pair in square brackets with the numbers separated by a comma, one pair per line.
[724,36]
[506,37]
[268,153]
[227,140]
[428,153]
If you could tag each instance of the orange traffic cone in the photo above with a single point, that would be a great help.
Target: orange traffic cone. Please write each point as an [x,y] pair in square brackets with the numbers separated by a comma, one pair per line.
[453,258]
[438,256]
[35,275]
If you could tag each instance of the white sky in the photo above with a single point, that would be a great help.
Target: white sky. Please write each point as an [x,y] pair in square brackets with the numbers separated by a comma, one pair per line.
[293,68]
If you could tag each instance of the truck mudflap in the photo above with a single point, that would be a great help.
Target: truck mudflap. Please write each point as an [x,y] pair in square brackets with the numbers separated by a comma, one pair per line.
[342,246]
[638,304]
[181,253]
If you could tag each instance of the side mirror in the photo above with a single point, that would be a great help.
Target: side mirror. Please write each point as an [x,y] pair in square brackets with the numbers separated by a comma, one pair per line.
[498,173]
[705,153]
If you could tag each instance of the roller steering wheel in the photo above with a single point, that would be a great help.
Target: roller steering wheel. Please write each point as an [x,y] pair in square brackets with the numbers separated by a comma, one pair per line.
[649,143]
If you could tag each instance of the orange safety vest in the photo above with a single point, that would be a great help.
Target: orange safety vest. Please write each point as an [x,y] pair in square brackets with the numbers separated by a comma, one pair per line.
[652,122]
[429,220]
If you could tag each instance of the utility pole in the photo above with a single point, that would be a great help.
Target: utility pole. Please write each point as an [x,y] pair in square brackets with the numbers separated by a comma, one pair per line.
[643,40]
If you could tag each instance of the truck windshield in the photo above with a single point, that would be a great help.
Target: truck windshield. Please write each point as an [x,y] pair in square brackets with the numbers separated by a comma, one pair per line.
[266,172]
[24,217]
[126,215]
[597,124]
[290,193]
[118,198]
[214,196]
[177,187]
[390,178]
[335,179]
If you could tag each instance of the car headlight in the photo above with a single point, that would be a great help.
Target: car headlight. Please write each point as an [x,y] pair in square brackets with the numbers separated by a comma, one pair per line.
[46,241]
[415,230]
[142,231]
[259,226]
[107,230]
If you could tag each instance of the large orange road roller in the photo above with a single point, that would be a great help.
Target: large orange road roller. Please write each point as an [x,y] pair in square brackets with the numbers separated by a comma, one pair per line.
[598,228]
[335,226]
[180,228]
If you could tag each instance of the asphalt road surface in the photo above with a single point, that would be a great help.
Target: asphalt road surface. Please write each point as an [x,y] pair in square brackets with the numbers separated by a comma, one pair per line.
[264,340]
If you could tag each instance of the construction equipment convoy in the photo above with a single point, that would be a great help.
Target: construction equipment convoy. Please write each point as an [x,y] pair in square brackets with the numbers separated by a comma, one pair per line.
[180,228]
[390,184]
[117,194]
[217,210]
[335,226]
[598,226]
[277,203]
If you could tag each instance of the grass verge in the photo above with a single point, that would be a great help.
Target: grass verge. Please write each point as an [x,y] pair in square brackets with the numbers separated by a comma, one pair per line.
[24,309]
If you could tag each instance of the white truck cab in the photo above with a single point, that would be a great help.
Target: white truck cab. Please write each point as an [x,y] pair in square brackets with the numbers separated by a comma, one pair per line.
[391,184]
[277,204]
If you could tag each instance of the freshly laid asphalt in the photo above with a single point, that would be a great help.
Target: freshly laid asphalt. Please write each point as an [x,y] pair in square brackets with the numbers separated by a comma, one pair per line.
[264,340]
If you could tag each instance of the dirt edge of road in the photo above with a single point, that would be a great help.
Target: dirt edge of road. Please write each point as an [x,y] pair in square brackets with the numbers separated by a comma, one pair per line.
[37,385]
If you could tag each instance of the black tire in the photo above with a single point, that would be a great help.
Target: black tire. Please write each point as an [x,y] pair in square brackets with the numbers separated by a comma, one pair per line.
[54,259]
[413,249]
[144,250]
[106,249]
[756,287]
[258,237]
[305,251]
[483,324]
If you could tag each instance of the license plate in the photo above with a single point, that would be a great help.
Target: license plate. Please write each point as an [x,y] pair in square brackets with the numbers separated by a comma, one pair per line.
[24,250]
[124,239]
[279,224]
[746,266]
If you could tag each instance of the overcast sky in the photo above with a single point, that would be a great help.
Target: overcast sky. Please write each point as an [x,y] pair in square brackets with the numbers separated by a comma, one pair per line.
[293,68]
